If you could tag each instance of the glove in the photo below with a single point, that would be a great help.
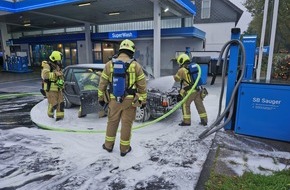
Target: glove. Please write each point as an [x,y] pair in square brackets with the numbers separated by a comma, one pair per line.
[179,98]
[60,83]
[102,103]
[203,93]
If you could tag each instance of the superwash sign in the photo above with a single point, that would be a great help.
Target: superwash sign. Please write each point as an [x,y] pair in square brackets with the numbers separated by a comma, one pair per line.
[123,35]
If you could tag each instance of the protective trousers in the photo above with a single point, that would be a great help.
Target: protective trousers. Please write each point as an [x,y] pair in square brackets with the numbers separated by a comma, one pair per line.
[198,101]
[126,113]
[55,103]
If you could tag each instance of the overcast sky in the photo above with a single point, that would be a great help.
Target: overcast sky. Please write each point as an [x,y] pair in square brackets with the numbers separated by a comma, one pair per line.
[246,17]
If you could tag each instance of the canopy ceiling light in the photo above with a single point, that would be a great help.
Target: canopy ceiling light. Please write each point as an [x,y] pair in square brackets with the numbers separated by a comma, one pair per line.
[84,4]
[114,13]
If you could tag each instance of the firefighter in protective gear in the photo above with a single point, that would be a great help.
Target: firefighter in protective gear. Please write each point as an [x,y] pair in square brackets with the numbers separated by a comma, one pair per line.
[53,85]
[124,111]
[184,78]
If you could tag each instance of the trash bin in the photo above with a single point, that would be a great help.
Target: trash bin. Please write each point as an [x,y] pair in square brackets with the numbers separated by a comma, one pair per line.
[203,62]
[213,66]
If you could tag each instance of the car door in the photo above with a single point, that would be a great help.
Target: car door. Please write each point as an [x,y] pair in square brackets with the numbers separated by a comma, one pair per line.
[71,89]
[88,83]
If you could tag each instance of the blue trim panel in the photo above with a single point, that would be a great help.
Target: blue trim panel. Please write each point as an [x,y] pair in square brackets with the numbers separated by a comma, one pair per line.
[188,5]
[28,5]
[50,39]
[168,32]
[172,32]
[7,6]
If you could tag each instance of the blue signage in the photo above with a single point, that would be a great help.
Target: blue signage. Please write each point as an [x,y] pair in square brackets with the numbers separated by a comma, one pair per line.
[123,35]
[249,43]
[266,50]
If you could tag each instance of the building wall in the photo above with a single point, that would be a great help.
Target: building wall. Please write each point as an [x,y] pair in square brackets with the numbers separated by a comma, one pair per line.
[217,34]
[221,11]
[169,49]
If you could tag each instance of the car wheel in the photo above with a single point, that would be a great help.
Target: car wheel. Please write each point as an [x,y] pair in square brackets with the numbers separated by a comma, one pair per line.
[142,114]
[67,103]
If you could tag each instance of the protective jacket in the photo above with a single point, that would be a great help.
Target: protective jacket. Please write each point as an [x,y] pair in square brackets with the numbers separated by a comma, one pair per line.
[186,83]
[135,80]
[50,78]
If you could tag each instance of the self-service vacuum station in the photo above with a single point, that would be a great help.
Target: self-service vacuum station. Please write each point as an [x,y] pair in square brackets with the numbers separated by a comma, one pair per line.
[253,107]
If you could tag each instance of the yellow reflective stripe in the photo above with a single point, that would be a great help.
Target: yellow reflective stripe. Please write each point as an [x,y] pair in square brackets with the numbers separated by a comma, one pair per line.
[111,72]
[45,86]
[49,110]
[186,116]
[128,96]
[105,76]
[125,143]
[187,75]
[51,76]
[59,114]
[132,79]
[110,139]
[141,77]
[203,115]
[100,93]
[132,74]
[142,96]
[45,70]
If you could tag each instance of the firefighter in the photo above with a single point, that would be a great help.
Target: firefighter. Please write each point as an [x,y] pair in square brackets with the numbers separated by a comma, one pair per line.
[53,85]
[197,96]
[122,109]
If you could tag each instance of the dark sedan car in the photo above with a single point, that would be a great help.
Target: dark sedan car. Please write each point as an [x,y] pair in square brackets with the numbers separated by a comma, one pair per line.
[81,86]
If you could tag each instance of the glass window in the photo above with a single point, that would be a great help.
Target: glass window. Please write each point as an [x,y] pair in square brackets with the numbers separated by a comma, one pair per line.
[108,51]
[86,79]
[205,9]
[97,52]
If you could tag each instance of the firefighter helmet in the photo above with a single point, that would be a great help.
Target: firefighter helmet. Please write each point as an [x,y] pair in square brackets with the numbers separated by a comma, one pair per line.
[55,56]
[182,58]
[127,44]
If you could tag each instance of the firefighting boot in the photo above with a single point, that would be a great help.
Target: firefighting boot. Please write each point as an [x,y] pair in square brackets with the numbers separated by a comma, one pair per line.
[184,124]
[108,149]
[124,153]
[203,122]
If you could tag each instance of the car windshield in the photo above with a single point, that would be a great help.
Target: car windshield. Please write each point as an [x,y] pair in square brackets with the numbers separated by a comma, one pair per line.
[87,79]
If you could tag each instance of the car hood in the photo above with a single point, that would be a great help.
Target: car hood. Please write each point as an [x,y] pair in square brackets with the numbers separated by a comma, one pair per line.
[163,84]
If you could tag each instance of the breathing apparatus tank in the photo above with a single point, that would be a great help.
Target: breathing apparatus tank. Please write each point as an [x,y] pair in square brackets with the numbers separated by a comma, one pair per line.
[193,72]
[119,80]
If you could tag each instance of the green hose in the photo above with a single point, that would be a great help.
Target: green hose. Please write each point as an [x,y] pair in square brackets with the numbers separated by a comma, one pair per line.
[17,95]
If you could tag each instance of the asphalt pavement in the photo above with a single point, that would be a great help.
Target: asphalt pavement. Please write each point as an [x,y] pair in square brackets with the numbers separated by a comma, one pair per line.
[230,154]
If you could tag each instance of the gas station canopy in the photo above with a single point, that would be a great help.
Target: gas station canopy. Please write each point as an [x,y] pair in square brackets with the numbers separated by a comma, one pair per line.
[29,15]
